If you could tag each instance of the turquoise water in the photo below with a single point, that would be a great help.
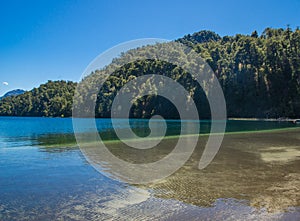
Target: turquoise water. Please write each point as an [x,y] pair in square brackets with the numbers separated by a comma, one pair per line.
[42,183]
[20,131]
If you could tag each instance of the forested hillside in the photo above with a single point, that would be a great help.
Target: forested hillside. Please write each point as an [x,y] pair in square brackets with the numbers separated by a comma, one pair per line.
[51,99]
[259,74]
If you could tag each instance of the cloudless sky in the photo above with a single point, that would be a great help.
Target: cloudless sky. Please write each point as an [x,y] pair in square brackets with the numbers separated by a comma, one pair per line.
[53,39]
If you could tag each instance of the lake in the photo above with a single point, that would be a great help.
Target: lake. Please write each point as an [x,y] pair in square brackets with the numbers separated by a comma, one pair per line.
[44,175]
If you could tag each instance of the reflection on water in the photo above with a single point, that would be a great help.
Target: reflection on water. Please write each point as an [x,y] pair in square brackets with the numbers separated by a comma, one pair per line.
[255,176]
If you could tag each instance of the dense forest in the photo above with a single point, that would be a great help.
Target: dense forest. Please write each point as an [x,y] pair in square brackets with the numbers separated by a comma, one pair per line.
[53,99]
[259,74]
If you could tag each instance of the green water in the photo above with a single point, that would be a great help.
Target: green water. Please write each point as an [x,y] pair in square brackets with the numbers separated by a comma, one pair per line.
[140,127]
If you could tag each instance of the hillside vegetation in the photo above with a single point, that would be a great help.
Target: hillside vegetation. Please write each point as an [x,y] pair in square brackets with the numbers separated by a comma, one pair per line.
[259,74]
[53,99]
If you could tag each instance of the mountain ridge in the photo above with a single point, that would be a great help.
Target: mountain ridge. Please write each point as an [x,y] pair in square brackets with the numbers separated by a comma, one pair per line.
[14,92]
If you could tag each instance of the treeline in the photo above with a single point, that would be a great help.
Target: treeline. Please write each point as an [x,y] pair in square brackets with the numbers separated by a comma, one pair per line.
[53,99]
[259,74]
[150,105]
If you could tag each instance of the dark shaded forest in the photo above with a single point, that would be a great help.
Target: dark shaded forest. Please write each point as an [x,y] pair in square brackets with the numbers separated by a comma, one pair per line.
[259,75]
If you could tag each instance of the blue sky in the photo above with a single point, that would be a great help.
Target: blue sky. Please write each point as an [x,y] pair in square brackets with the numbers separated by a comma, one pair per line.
[55,39]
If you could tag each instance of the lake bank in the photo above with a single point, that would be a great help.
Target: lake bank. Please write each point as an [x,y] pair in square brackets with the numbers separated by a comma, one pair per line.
[281,119]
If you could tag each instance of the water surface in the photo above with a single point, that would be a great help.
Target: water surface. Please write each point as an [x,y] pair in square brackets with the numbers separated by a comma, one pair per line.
[44,176]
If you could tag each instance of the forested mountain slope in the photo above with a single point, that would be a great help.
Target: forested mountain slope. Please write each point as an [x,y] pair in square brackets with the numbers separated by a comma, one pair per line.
[259,74]
[51,99]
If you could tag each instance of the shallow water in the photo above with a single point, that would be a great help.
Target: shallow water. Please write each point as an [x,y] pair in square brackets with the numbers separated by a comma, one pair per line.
[44,176]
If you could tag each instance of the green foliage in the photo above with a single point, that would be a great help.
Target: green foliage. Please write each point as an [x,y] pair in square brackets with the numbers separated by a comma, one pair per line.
[151,105]
[260,77]
[53,99]
[199,38]
[259,74]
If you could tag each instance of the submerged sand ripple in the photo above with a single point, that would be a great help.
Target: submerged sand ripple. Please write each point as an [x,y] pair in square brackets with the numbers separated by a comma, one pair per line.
[260,168]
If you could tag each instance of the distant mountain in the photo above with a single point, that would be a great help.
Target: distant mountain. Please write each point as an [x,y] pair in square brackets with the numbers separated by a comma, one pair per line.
[13,93]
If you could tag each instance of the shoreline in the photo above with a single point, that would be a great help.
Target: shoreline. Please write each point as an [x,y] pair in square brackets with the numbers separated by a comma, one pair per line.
[281,119]
[264,119]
